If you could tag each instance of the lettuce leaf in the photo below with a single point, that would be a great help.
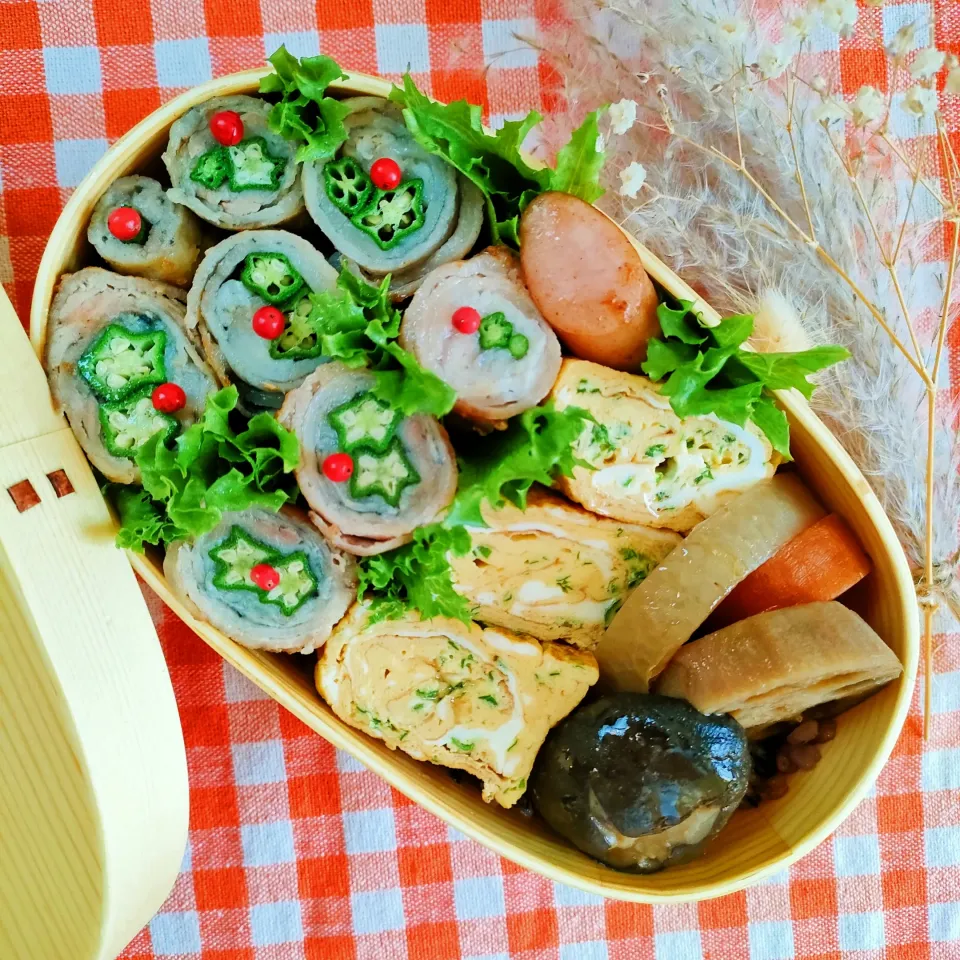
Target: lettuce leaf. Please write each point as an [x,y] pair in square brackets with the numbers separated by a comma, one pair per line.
[417,576]
[357,324]
[494,161]
[705,371]
[305,112]
[211,468]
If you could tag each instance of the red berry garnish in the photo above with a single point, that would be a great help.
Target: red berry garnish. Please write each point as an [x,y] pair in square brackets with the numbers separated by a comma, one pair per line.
[385,174]
[268,323]
[124,223]
[227,127]
[466,319]
[338,467]
[265,576]
[168,398]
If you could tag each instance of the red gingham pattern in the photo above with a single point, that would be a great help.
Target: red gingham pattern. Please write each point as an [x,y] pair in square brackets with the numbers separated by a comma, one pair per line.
[295,850]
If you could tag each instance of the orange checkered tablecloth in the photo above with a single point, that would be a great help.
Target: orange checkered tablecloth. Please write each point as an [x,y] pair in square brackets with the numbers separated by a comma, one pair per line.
[296,851]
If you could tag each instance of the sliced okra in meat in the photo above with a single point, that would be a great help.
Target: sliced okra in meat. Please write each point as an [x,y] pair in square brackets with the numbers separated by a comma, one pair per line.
[495,331]
[271,276]
[347,184]
[297,584]
[211,168]
[253,167]
[366,422]
[392,215]
[120,362]
[299,340]
[234,558]
[127,424]
[518,346]
[382,474]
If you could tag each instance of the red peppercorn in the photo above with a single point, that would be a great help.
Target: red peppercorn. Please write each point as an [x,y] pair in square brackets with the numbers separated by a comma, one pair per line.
[265,576]
[227,127]
[124,223]
[168,398]
[268,323]
[338,467]
[466,319]
[385,174]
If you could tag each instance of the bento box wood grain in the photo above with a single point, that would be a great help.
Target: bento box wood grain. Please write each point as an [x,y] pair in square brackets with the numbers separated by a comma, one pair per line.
[93,776]
[757,842]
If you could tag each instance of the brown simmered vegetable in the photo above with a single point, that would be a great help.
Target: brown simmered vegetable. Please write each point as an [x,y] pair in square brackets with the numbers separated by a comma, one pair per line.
[664,611]
[641,782]
[587,280]
[777,665]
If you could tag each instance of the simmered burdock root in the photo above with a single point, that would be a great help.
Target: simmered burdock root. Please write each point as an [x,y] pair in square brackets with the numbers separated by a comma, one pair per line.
[269,581]
[641,782]
[587,279]
[452,693]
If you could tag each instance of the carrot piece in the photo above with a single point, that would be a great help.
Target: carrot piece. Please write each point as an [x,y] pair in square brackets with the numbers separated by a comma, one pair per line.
[816,565]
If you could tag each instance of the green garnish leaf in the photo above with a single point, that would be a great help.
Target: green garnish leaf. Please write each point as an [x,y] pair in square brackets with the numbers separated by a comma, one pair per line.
[536,447]
[494,161]
[416,576]
[211,468]
[705,371]
[305,112]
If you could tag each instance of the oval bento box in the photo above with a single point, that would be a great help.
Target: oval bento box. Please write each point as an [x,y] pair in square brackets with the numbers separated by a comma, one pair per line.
[757,842]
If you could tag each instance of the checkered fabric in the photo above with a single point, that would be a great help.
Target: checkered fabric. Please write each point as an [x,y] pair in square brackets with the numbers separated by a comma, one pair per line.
[295,850]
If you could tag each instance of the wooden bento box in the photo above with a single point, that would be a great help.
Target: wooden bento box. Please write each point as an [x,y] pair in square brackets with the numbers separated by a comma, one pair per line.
[757,842]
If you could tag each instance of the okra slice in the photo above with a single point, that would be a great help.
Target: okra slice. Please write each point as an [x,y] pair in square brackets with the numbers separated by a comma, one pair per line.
[347,184]
[120,362]
[392,215]
[383,474]
[299,340]
[366,422]
[235,557]
[518,346]
[271,276]
[127,424]
[253,167]
[211,168]
[495,331]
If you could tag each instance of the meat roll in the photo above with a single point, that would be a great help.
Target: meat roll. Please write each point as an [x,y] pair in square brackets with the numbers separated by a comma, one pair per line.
[499,369]
[254,183]
[238,277]
[651,466]
[398,221]
[457,695]
[121,366]
[369,474]
[554,571]
[167,246]
[268,580]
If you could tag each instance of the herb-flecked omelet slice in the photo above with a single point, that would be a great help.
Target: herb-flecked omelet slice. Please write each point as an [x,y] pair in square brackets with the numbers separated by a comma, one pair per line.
[479,700]
[554,571]
[651,467]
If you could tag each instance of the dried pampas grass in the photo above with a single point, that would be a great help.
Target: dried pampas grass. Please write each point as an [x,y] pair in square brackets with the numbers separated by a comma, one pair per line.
[753,202]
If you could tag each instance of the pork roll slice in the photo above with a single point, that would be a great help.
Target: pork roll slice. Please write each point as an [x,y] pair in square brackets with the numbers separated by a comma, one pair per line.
[167,245]
[239,277]
[455,694]
[500,368]
[121,365]
[250,184]
[384,202]
[267,580]
[370,474]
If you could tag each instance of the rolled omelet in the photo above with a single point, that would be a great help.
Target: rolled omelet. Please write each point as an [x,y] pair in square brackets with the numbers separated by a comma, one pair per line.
[554,571]
[650,466]
[454,694]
